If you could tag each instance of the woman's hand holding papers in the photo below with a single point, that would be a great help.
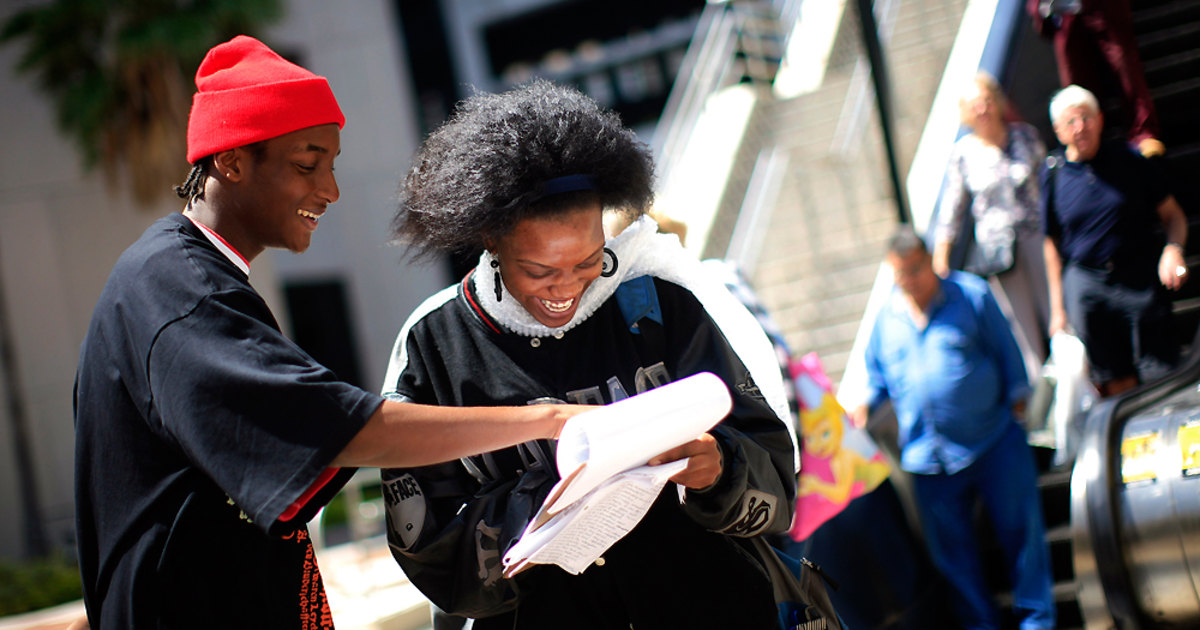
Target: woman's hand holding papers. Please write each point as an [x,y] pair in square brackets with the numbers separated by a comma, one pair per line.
[704,466]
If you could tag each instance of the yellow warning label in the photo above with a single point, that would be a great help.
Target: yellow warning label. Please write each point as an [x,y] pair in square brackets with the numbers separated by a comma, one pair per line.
[1189,445]
[1137,457]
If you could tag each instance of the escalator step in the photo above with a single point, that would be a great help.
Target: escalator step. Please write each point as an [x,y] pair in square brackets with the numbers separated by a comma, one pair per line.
[1150,16]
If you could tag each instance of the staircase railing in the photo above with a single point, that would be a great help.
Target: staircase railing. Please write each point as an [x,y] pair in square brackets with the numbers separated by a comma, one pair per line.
[978,45]
[1117,517]
[715,59]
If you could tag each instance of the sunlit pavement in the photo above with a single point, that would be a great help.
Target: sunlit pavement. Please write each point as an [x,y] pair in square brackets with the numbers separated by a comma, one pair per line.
[57,618]
[368,591]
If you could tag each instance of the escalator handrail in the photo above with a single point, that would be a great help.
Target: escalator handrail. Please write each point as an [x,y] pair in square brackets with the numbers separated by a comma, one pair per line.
[1103,533]
[1103,430]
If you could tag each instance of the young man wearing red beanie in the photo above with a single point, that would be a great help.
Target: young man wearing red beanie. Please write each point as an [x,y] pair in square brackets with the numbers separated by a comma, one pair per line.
[205,439]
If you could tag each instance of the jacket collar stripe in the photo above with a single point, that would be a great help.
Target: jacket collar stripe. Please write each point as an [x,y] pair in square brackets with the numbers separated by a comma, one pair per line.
[469,295]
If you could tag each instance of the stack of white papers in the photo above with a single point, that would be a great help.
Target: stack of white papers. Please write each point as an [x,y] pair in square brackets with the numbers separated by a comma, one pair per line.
[606,486]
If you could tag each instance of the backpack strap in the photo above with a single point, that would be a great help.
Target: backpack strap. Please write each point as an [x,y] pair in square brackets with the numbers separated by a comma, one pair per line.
[1053,161]
[637,298]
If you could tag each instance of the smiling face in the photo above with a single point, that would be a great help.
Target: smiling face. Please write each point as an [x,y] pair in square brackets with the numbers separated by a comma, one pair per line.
[1078,128]
[283,188]
[547,262]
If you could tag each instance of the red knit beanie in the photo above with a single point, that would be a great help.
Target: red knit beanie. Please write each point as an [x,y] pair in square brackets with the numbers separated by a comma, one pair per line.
[248,93]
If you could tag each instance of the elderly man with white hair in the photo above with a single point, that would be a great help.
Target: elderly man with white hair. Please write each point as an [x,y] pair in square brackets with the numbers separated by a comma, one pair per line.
[1107,267]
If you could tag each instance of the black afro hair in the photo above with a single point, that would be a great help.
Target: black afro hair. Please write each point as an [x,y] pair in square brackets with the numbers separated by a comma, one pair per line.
[482,171]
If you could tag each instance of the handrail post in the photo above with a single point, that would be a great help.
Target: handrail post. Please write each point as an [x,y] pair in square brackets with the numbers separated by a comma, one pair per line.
[879,77]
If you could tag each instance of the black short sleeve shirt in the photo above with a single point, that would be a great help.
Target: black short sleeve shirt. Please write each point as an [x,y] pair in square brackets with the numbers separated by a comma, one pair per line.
[1105,210]
[203,443]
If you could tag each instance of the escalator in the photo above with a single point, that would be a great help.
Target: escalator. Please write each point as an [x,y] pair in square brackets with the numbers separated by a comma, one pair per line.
[1135,507]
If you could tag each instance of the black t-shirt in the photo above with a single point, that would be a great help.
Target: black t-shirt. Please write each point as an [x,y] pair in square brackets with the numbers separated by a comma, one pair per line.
[1105,210]
[203,440]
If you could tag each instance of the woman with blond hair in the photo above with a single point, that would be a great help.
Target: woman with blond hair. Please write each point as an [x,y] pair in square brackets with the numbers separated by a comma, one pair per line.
[993,173]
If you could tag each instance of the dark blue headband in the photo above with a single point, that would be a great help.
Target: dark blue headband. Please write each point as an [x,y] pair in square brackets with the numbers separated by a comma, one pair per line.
[564,184]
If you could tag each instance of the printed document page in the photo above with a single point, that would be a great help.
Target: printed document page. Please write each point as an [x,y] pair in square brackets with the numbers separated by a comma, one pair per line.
[576,536]
[606,486]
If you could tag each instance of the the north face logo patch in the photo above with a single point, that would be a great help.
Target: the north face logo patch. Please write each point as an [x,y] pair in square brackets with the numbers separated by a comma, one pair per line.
[747,387]
[757,511]
[406,508]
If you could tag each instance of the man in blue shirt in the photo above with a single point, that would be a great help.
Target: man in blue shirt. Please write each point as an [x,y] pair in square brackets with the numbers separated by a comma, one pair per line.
[944,354]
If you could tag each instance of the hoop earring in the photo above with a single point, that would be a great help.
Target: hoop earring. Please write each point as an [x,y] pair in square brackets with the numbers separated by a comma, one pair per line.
[496,278]
[609,266]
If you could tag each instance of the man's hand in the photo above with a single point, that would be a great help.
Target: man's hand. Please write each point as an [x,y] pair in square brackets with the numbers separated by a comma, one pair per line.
[1172,270]
[705,462]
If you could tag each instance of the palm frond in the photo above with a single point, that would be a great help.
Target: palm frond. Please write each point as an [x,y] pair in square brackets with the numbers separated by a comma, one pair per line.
[118,73]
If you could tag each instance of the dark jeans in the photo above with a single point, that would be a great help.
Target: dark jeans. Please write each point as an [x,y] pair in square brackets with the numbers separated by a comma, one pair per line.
[1126,329]
[1005,478]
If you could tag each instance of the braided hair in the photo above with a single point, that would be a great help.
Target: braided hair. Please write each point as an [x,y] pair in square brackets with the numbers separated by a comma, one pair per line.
[193,186]
[484,170]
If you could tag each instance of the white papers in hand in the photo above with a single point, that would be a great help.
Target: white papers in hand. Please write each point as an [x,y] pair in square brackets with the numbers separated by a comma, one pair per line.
[576,536]
[600,443]
[606,486]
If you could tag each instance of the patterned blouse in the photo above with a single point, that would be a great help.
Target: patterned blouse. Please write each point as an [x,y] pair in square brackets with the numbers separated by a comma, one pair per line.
[999,185]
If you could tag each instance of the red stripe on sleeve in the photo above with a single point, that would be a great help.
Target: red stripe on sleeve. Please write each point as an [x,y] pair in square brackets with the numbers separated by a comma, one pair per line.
[294,509]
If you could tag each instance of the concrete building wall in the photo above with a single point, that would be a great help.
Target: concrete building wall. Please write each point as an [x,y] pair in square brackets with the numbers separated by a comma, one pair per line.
[61,233]
[835,210]
[360,52]
[62,230]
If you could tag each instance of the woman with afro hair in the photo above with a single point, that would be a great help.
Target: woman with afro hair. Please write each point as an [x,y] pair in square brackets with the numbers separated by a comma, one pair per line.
[555,311]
